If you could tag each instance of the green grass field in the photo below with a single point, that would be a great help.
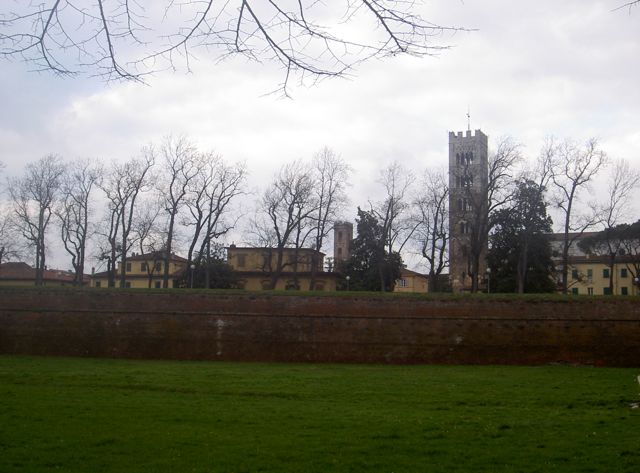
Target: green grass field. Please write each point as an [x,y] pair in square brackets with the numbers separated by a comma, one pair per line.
[88,415]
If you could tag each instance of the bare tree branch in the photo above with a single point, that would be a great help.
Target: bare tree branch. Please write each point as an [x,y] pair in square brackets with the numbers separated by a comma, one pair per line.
[123,40]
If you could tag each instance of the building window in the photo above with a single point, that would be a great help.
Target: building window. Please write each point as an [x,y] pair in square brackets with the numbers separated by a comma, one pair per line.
[98,284]
[623,273]
[590,291]
[606,291]
[624,291]
[605,273]
[574,291]
[128,267]
[143,267]
[402,283]
[339,236]
[292,286]
[574,274]
[127,284]
[158,284]
[242,260]
[590,275]
[158,266]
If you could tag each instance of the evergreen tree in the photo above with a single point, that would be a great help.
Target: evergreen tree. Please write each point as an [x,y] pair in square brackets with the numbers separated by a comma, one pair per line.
[371,267]
[520,253]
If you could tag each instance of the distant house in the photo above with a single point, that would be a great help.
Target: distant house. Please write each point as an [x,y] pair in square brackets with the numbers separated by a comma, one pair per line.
[589,274]
[21,274]
[411,281]
[254,268]
[144,271]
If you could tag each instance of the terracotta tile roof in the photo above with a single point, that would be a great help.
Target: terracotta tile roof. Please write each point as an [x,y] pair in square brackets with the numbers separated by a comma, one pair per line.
[155,256]
[21,271]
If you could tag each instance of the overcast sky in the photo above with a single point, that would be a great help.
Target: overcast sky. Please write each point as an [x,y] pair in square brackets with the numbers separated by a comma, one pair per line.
[530,70]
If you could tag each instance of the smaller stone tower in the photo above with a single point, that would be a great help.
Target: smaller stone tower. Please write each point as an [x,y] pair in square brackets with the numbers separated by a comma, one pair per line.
[342,236]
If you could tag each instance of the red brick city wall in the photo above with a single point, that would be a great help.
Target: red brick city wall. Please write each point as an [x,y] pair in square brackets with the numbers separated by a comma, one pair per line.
[257,327]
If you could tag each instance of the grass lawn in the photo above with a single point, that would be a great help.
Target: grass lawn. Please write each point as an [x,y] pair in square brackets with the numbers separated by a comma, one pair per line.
[90,415]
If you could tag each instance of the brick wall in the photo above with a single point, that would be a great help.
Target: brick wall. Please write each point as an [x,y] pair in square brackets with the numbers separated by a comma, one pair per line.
[259,327]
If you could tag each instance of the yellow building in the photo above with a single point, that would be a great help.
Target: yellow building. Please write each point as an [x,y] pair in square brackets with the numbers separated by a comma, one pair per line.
[144,271]
[410,281]
[255,267]
[590,276]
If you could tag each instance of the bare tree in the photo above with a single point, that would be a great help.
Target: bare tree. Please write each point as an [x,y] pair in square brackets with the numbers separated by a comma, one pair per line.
[150,238]
[8,245]
[33,197]
[483,196]
[610,242]
[122,186]
[9,248]
[574,168]
[73,212]
[210,198]
[628,5]
[331,176]
[392,212]
[179,168]
[126,40]
[284,216]
[109,249]
[430,215]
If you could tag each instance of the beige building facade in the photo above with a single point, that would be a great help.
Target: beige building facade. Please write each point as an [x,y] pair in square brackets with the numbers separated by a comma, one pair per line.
[411,281]
[254,268]
[144,271]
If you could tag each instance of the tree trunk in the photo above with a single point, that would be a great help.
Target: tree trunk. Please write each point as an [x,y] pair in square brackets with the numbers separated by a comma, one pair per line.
[522,267]
[167,254]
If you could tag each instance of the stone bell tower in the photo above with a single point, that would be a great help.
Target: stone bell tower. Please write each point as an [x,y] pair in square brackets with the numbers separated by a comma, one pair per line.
[342,236]
[468,174]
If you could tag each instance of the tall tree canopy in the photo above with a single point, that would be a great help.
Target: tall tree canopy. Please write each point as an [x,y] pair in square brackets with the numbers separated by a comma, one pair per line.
[520,253]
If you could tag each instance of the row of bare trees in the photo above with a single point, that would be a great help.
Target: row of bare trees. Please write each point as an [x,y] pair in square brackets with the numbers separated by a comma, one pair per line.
[145,199]
[174,194]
